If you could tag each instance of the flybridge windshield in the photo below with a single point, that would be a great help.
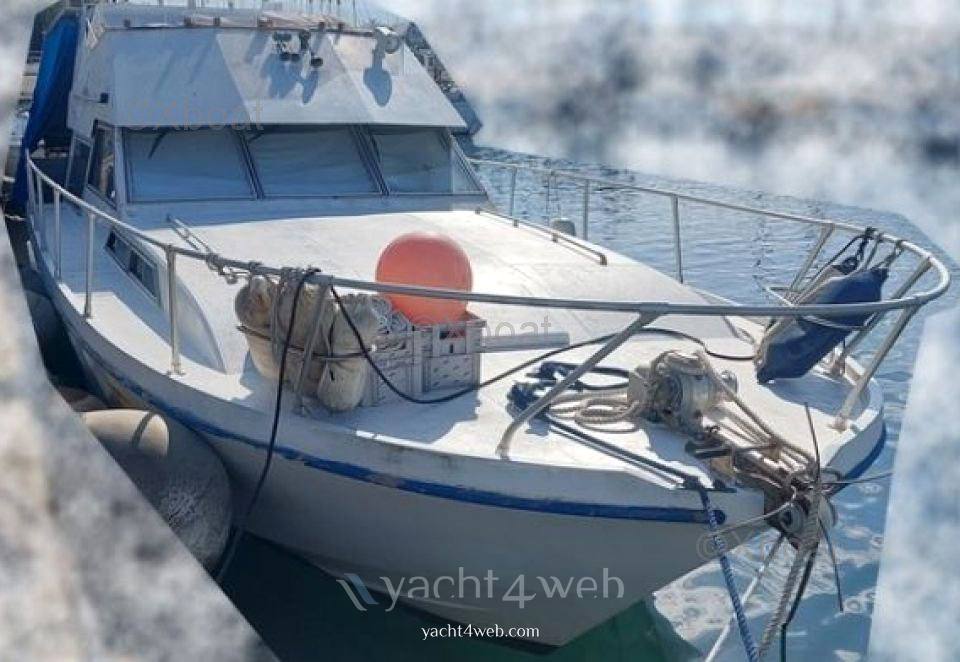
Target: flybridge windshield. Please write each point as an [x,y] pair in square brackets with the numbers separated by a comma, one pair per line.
[419,161]
[290,161]
[178,165]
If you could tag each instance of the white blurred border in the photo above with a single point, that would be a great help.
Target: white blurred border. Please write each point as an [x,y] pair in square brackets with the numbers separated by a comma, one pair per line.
[16,23]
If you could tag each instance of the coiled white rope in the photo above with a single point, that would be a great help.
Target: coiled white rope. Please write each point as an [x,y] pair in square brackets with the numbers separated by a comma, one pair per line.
[598,411]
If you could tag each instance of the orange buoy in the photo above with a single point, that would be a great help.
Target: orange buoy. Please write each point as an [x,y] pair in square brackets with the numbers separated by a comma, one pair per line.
[427,260]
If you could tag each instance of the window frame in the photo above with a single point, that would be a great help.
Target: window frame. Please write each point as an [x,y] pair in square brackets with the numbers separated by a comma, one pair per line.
[445,138]
[134,251]
[245,159]
[107,129]
[77,142]
[376,179]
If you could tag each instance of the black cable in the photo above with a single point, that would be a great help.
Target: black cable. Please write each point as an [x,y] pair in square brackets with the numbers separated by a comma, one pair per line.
[465,391]
[271,446]
[688,481]
[706,350]
[365,352]
[863,238]
[863,479]
[801,590]
[507,373]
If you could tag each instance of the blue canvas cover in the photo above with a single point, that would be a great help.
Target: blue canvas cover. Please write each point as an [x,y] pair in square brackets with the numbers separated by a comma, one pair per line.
[799,345]
[48,114]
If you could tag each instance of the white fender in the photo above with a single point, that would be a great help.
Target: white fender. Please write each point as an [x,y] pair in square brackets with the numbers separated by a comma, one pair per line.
[177,472]
[343,382]
[79,400]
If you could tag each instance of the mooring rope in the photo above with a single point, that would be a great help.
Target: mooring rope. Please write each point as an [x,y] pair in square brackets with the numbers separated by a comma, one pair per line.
[808,541]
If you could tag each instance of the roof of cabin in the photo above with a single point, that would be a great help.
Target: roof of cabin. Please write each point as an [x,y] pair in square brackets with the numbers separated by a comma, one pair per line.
[163,66]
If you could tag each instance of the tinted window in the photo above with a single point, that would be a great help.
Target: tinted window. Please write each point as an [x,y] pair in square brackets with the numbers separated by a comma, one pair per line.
[78,168]
[135,264]
[170,164]
[103,166]
[415,160]
[292,161]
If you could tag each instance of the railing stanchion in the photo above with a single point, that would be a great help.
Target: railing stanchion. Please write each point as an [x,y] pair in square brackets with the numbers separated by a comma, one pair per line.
[677,246]
[57,239]
[546,201]
[836,367]
[513,191]
[32,193]
[586,209]
[825,232]
[843,416]
[41,225]
[171,255]
[88,294]
[29,173]
[531,411]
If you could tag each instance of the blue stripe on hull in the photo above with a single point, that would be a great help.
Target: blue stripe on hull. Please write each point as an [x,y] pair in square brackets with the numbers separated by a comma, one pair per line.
[439,490]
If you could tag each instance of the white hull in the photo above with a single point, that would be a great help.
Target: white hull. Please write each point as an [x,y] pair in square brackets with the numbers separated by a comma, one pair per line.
[351,525]
[348,525]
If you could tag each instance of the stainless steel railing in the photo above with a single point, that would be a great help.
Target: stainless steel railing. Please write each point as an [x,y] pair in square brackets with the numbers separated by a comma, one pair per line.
[905,300]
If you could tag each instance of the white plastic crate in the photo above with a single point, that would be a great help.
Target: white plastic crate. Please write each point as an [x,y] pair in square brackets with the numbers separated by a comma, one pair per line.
[452,354]
[401,362]
[426,359]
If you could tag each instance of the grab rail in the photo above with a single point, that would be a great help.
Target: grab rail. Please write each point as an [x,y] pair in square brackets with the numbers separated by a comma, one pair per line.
[555,235]
[905,302]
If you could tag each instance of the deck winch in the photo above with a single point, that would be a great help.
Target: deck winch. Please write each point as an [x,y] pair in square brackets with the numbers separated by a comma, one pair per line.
[676,388]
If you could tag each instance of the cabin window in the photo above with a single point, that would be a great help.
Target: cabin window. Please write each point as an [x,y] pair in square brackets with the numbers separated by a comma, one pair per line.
[102,175]
[77,173]
[293,161]
[171,165]
[418,160]
[134,263]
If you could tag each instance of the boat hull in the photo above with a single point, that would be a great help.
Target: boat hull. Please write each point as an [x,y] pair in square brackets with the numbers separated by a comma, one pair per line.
[549,576]
[471,563]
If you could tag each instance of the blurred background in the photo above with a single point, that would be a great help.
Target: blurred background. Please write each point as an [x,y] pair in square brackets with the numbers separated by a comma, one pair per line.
[853,101]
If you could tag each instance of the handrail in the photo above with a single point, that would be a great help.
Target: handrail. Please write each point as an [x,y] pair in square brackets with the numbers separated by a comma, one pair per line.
[667,193]
[907,303]
[655,308]
[556,235]
[826,223]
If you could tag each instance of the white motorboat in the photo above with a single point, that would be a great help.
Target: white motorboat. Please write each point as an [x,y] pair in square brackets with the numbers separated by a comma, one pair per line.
[221,155]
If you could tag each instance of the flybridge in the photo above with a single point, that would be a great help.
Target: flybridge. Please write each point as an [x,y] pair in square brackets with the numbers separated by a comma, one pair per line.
[263,15]
[143,66]
[355,13]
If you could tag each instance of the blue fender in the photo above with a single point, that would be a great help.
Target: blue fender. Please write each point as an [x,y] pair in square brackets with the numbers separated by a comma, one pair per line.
[795,347]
